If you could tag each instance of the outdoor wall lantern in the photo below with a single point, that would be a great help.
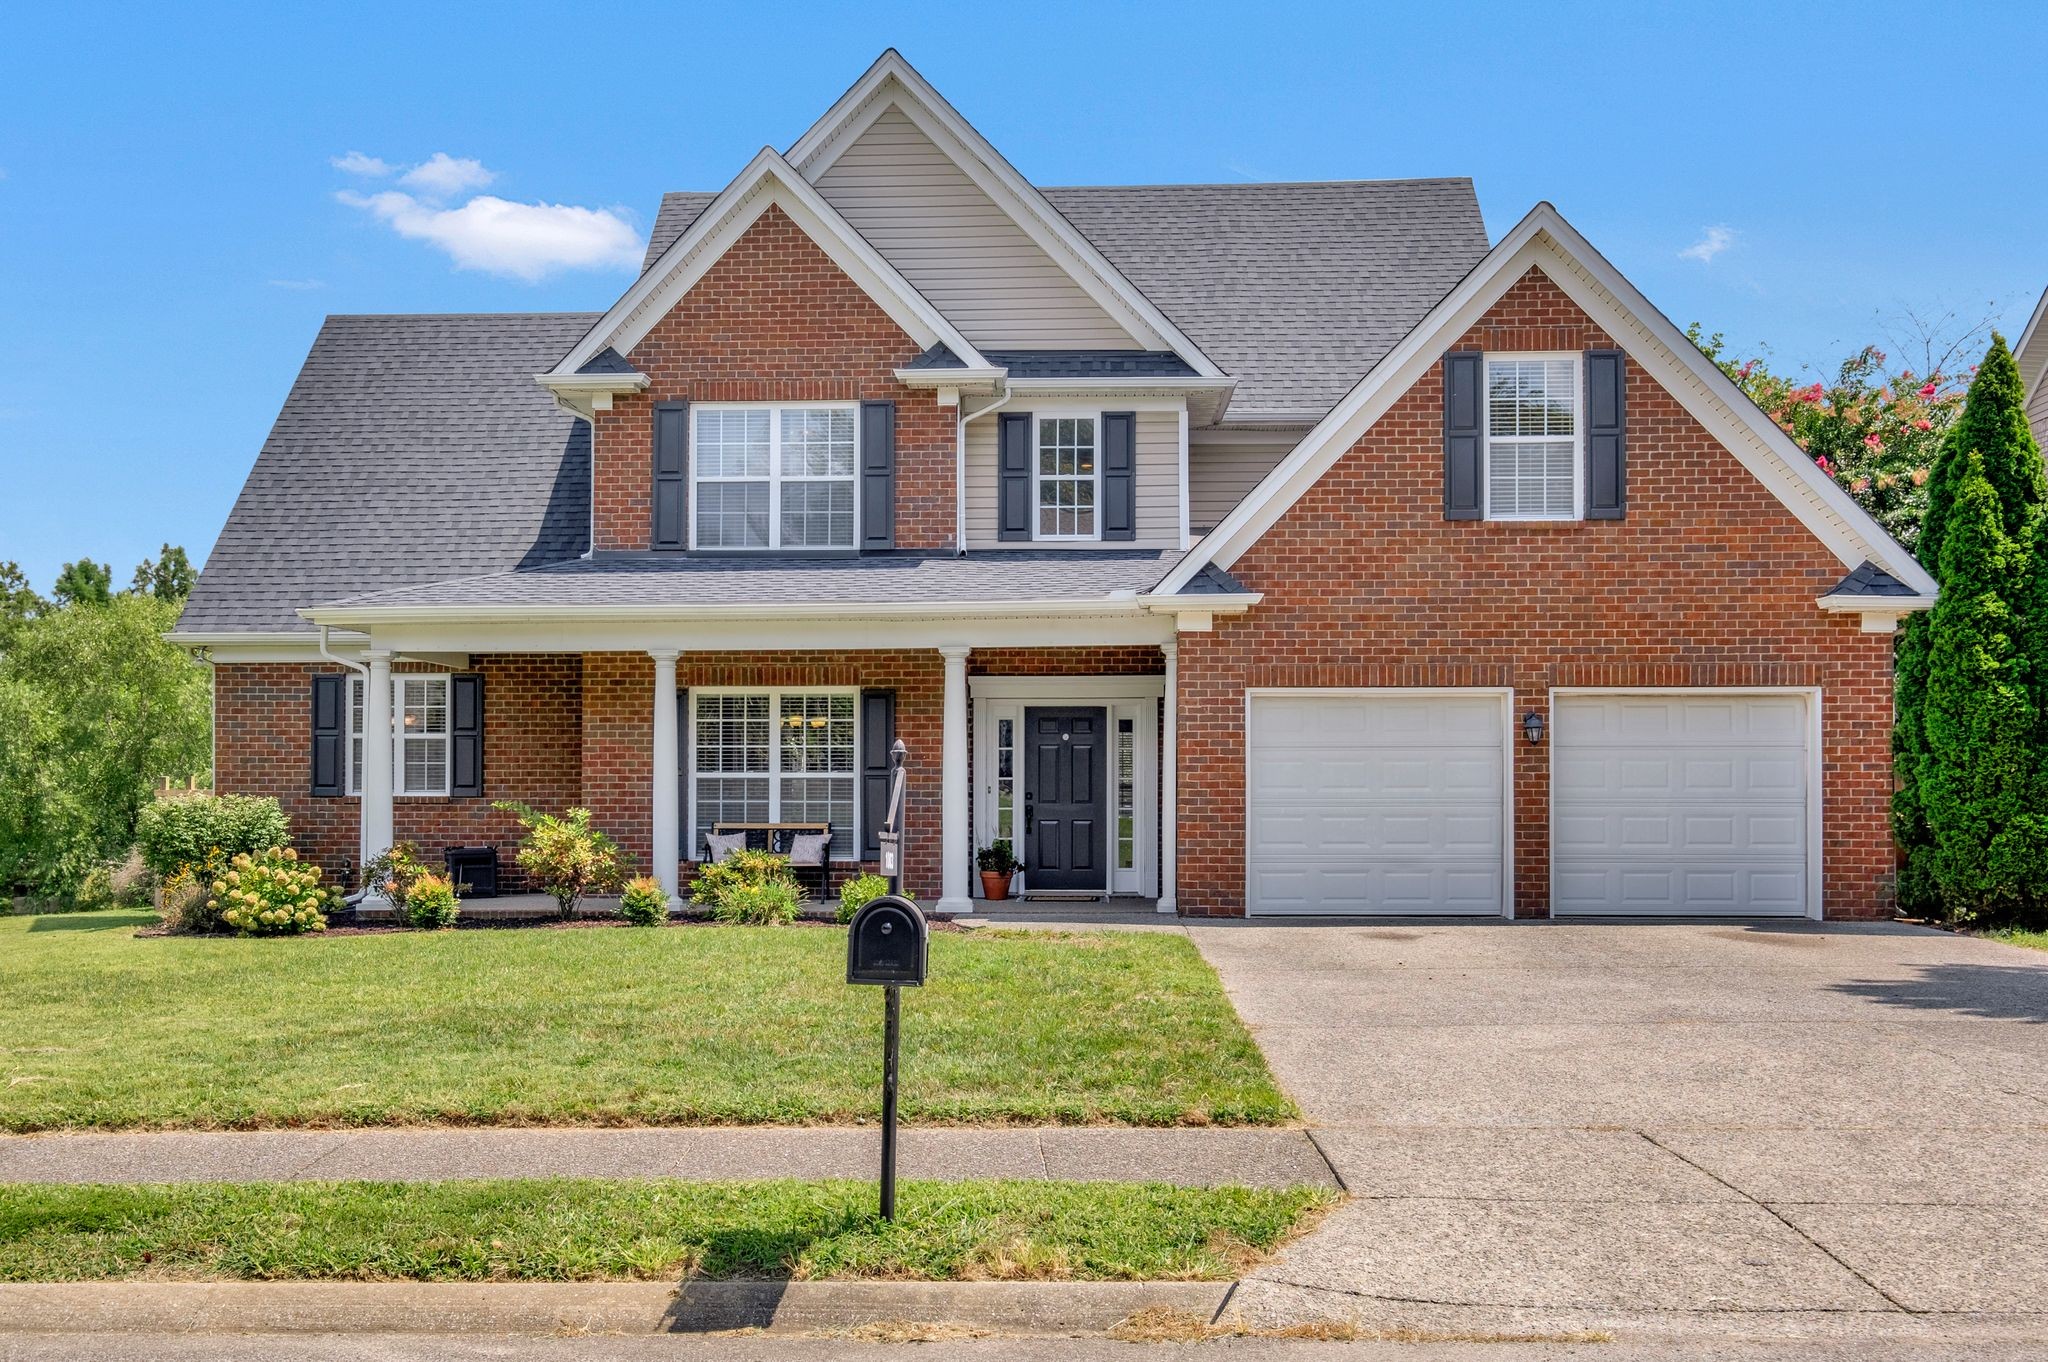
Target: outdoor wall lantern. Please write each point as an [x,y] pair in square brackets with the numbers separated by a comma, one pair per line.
[1532,727]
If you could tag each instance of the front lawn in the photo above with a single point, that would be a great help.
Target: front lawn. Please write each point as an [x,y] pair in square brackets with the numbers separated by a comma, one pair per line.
[612,1026]
[576,1230]
[2020,936]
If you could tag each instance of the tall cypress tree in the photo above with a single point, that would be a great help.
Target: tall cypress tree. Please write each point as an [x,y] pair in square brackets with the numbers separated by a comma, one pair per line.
[1993,424]
[1980,778]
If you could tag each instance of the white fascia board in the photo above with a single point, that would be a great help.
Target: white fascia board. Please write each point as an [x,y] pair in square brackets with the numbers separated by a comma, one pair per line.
[1235,603]
[1544,240]
[1898,605]
[767,180]
[594,383]
[984,378]
[371,616]
[1033,213]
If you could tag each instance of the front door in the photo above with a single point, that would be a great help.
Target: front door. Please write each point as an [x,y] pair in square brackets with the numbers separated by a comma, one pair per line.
[1065,828]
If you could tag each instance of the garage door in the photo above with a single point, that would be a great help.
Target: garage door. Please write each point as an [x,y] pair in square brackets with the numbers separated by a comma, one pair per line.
[1680,805]
[1374,804]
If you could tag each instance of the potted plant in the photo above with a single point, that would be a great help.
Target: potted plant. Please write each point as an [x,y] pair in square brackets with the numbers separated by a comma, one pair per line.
[997,864]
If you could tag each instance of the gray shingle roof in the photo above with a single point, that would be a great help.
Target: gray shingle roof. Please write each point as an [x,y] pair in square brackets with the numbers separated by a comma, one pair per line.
[410,449]
[1870,580]
[1294,289]
[654,580]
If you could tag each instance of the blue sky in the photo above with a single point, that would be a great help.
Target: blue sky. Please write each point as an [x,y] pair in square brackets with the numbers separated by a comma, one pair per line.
[171,232]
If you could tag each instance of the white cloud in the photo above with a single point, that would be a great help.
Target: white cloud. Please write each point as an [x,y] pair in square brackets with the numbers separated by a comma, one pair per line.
[442,176]
[356,163]
[297,285]
[1713,241]
[524,240]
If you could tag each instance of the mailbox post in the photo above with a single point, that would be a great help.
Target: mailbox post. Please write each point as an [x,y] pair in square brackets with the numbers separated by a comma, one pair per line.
[888,943]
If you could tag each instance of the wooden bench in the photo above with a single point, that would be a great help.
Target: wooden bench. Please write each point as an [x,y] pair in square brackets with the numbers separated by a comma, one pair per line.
[778,837]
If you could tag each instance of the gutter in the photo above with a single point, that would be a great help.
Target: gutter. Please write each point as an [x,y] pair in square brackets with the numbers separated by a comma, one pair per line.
[960,471]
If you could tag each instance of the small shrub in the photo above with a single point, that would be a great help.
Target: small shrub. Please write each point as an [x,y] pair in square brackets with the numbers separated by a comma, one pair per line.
[116,884]
[395,872]
[565,856]
[643,903]
[743,867]
[186,897]
[271,894]
[998,858]
[770,903]
[431,903]
[181,829]
[858,892]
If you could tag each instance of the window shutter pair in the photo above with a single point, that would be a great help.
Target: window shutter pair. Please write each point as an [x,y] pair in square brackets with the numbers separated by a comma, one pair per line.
[465,735]
[1118,452]
[877,475]
[877,735]
[1604,428]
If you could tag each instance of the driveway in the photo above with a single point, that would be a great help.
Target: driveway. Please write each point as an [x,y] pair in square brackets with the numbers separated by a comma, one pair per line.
[1745,1130]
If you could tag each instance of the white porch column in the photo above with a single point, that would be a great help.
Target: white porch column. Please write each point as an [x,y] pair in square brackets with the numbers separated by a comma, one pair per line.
[1169,782]
[954,834]
[378,742]
[668,831]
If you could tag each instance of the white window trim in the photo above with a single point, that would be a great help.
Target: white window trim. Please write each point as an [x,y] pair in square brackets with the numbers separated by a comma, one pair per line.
[775,477]
[398,735]
[775,773]
[1038,418]
[1488,438]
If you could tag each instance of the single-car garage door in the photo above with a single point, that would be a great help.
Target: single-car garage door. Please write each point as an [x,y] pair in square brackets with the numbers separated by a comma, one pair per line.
[1375,803]
[1680,805]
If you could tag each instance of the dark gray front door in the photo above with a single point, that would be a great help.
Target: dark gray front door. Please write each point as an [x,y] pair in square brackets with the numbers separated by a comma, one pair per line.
[1065,827]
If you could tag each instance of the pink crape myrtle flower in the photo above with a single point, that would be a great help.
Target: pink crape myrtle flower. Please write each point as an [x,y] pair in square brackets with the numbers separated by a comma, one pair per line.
[1928,391]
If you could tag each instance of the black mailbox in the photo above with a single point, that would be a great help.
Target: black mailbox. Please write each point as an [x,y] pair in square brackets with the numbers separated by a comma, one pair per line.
[887,943]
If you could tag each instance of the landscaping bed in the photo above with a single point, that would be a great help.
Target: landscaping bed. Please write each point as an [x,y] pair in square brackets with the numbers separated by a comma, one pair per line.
[580,1230]
[108,1030]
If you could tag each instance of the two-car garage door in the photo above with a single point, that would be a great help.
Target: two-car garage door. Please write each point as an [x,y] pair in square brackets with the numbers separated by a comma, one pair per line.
[1387,803]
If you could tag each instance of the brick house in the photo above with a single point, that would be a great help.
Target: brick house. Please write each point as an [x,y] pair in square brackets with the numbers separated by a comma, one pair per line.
[1252,548]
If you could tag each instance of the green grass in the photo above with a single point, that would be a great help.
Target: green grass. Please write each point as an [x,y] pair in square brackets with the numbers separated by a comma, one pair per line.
[577,1230]
[2020,936]
[679,1025]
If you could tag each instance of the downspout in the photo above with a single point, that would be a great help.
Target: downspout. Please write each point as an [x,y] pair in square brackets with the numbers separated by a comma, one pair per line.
[362,852]
[960,471]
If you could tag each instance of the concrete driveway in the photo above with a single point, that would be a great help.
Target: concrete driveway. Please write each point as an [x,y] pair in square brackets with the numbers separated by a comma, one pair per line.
[1744,1130]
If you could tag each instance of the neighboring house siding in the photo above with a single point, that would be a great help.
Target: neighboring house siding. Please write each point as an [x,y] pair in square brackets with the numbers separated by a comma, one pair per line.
[2037,409]
[1708,582]
[958,247]
[774,320]
[532,753]
[1158,473]
[1220,473]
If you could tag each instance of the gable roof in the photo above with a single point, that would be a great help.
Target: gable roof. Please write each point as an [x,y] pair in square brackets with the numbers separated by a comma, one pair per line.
[2032,350]
[891,82]
[1544,240]
[767,180]
[409,449]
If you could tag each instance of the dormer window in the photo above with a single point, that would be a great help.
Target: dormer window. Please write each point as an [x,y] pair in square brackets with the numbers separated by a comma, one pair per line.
[772,477]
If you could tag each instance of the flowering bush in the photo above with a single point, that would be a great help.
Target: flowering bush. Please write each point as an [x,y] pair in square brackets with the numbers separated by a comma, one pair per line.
[643,903]
[769,903]
[743,867]
[186,899]
[271,894]
[565,856]
[858,892]
[395,872]
[431,903]
[1873,430]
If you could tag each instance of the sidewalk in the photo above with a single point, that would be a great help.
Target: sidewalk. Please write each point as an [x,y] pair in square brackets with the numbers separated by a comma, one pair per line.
[1187,1157]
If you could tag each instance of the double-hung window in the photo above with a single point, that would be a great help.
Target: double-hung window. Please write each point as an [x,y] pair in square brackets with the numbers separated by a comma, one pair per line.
[420,737]
[1533,433]
[773,477]
[774,756]
[1068,476]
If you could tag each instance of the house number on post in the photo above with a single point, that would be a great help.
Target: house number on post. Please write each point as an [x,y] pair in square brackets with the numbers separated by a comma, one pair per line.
[888,943]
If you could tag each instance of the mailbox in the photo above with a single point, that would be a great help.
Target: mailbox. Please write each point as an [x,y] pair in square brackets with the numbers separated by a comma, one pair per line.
[887,943]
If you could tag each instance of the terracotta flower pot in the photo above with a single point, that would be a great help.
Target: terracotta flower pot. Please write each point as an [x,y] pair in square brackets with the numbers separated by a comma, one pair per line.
[995,884]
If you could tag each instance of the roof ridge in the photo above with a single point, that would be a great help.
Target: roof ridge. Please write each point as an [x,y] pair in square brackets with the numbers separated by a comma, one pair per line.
[454,316]
[1272,184]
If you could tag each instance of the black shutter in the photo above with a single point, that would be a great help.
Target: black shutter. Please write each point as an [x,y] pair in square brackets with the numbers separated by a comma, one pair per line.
[1013,468]
[1119,475]
[330,734]
[671,475]
[466,736]
[877,476]
[1464,441]
[877,734]
[1606,439]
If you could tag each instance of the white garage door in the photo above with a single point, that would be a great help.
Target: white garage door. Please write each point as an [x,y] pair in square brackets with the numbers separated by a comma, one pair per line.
[1375,804]
[1680,805]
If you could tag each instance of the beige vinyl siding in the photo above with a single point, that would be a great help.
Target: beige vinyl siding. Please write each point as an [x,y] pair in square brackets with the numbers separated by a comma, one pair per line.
[2037,410]
[1158,475]
[958,247]
[1220,474]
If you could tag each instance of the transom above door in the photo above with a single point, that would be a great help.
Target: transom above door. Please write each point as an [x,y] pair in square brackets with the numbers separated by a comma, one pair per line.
[1065,803]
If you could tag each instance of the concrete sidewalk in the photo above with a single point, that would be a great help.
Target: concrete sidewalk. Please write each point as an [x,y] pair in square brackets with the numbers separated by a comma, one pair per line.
[1191,1157]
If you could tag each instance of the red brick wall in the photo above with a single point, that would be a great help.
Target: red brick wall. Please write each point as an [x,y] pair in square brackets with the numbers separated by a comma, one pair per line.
[1709,581]
[775,320]
[263,746]
[1127,660]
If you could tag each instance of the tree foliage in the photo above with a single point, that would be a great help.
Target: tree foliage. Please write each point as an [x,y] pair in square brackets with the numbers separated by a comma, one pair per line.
[85,583]
[19,602]
[168,577]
